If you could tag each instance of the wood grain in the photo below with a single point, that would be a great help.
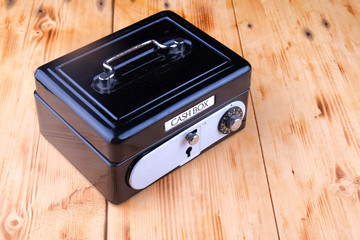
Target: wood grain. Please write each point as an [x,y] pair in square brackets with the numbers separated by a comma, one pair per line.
[219,195]
[292,173]
[305,91]
[43,196]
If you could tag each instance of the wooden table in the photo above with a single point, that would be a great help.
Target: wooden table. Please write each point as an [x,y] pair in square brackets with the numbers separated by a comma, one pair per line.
[292,173]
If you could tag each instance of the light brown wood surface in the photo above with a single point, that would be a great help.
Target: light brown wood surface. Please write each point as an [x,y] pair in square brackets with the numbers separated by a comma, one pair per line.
[292,173]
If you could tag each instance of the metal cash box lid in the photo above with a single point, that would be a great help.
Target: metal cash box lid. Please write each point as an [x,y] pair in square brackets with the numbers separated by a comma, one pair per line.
[122,91]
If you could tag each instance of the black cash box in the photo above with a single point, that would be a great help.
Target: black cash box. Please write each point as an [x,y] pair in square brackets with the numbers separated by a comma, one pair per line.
[133,106]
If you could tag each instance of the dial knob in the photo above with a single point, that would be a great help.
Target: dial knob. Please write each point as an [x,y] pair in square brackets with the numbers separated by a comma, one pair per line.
[231,120]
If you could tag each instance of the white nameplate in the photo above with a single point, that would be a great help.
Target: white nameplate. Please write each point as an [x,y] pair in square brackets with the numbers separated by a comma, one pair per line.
[182,117]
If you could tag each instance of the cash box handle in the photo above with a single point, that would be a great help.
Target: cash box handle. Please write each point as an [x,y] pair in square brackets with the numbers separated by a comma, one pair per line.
[109,70]
[106,82]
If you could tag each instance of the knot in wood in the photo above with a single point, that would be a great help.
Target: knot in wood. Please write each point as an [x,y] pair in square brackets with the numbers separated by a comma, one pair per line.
[13,223]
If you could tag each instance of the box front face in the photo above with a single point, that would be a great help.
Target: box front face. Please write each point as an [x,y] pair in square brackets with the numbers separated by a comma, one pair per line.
[188,144]
[172,152]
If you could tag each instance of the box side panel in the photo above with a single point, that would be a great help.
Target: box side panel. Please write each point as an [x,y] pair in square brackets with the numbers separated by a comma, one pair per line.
[76,118]
[79,152]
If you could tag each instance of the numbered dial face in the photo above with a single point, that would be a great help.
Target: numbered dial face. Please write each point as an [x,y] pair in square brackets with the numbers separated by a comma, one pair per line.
[231,120]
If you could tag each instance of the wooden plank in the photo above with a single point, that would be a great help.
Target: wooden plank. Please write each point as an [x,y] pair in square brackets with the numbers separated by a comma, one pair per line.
[305,88]
[221,194]
[42,195]
[128,12]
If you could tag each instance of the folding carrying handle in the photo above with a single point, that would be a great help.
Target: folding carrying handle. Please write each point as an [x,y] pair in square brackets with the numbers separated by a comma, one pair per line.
[173,50]
[109,70]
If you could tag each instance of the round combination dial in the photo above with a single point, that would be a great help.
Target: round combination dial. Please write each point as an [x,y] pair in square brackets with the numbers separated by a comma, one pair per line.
[231,120]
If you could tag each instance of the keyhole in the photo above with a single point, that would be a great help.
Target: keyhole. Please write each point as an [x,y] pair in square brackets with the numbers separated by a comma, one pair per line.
[188,151]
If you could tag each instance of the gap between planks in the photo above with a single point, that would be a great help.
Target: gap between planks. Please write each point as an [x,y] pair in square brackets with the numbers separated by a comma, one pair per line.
[257,127]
